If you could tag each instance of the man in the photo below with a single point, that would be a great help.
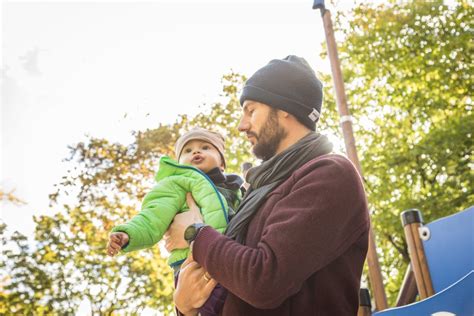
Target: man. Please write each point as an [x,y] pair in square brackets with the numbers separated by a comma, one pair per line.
[298,242]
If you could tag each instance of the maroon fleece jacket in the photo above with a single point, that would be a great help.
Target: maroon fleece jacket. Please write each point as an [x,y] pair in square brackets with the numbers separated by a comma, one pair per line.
[305,247]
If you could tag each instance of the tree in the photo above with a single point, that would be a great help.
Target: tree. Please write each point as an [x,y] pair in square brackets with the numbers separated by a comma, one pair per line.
[23,289]
[408,73]
[10,197]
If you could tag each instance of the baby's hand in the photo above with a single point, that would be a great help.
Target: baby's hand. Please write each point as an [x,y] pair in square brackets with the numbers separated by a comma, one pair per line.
[116,242]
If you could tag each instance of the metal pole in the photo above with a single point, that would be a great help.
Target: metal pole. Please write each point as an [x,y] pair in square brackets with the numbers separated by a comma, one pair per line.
[375,273]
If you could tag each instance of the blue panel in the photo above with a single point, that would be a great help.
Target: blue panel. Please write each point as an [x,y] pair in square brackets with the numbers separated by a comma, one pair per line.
[457,299]
[450,249]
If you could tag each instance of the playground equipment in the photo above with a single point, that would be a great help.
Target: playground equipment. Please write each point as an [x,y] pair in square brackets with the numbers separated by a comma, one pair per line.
[442,262]
[375,274]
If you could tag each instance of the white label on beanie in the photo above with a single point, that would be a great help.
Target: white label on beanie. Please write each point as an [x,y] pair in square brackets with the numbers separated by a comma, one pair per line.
[314,115]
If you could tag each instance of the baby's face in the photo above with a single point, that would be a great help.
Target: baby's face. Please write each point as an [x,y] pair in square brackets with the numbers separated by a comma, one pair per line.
[201,155]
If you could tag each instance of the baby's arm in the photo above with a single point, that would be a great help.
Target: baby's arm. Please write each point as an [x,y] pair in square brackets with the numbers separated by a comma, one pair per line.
[159,207]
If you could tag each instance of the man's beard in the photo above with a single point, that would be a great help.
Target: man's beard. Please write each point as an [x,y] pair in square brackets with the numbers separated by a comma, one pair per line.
[269,138]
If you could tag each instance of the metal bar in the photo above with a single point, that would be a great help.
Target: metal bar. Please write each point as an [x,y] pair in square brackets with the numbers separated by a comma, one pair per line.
[365,306]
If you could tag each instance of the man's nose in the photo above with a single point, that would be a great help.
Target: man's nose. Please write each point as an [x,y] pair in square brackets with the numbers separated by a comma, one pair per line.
[243,125]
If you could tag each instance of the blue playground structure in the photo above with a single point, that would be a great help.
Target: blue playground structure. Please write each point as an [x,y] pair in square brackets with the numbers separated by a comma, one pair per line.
[446,249]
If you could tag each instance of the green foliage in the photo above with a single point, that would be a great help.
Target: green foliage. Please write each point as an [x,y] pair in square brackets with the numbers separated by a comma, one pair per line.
[408,72]
[24,289]
[104,187]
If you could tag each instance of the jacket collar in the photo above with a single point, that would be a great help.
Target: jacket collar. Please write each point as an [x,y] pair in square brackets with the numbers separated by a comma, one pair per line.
[228,181]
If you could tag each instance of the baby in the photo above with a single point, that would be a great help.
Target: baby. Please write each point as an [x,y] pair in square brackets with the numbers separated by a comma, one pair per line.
[200,170]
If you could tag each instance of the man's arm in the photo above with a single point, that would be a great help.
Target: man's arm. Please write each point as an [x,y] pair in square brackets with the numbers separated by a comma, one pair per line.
[308,227]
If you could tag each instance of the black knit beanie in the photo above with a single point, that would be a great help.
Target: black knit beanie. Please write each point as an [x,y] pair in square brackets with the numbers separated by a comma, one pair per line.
[288,84]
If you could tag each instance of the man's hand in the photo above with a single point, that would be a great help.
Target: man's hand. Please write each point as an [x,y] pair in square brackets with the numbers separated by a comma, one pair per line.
[194,287]
[174,237]
[116,242]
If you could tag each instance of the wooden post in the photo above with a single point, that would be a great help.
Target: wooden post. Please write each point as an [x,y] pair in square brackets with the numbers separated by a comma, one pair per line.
[412,221]
[408,290]
[375,273]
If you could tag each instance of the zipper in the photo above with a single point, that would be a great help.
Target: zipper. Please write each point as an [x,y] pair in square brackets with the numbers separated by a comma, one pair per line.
[226,216]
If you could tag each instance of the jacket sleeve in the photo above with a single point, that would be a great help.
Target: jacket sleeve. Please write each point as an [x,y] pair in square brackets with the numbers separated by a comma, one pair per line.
[159,207]
[315,222]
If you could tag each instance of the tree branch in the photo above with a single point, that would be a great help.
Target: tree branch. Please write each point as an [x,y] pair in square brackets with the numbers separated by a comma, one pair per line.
[403,250]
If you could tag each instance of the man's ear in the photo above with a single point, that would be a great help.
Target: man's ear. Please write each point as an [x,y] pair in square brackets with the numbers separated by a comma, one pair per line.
[283,114]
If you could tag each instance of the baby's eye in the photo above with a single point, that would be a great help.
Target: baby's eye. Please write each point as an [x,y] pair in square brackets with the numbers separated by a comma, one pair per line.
[187,150]
[206,147]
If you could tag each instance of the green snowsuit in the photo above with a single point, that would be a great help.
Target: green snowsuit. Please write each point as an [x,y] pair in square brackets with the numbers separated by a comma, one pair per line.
[168,198]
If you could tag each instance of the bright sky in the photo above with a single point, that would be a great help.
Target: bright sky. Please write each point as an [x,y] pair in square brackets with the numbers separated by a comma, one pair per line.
[73,68]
